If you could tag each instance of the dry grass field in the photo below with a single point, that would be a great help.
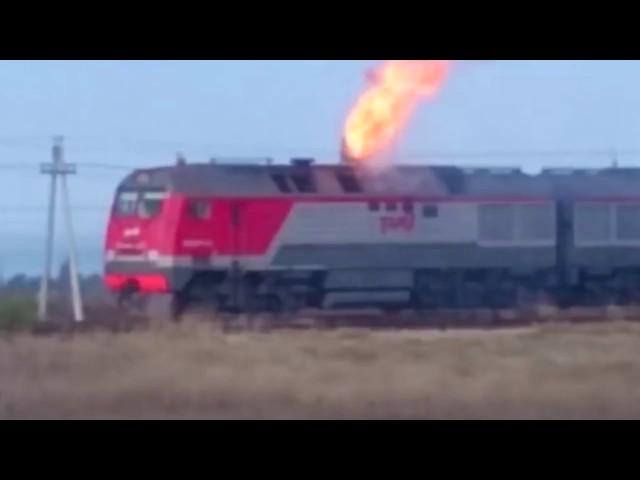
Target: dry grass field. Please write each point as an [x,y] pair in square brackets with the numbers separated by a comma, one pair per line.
[194,372]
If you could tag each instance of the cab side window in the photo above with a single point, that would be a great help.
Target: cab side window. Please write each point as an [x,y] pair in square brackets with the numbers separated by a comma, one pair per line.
[199,209]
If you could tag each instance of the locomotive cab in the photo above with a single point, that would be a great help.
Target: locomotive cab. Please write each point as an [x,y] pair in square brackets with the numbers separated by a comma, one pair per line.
[136,230]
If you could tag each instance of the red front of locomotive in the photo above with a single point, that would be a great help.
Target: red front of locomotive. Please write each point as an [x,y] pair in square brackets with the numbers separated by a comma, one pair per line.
[140,235]
[159,238]
[134,239]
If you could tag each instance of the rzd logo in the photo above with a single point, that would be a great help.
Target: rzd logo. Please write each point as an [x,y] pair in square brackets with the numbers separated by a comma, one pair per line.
[406,223]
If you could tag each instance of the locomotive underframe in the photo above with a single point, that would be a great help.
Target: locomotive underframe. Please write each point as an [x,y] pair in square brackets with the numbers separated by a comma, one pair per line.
[282,290]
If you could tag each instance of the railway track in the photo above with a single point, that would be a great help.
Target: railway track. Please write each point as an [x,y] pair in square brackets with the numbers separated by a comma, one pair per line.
[119,322]
[438,320]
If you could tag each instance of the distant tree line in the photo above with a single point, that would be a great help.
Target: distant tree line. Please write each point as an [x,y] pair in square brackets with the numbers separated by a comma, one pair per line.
[92,286]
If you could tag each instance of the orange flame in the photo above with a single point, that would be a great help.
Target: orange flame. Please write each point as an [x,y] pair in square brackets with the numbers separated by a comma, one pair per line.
[382,112]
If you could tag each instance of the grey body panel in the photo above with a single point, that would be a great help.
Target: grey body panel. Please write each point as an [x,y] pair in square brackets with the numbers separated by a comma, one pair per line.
[363,279]
[352,266]
[416,257]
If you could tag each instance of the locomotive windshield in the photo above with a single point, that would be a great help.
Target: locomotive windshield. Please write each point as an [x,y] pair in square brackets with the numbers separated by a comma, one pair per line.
[139,203]
[150,204]
[126,204]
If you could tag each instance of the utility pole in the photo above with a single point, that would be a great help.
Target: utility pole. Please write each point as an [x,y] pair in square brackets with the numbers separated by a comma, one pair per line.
[58,168]
[49,169]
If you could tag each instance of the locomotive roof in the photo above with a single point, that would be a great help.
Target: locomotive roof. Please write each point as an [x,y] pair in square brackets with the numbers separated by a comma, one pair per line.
[329,180]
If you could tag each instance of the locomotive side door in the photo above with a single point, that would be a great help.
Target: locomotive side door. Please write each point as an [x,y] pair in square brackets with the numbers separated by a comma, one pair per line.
[235,241]
[237,232]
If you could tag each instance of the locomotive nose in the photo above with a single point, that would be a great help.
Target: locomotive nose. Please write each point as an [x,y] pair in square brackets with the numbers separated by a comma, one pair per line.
[133,238]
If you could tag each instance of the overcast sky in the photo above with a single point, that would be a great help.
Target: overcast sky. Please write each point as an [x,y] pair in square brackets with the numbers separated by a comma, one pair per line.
[134,113]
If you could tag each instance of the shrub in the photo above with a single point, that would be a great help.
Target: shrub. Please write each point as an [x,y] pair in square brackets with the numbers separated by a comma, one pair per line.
[17,313]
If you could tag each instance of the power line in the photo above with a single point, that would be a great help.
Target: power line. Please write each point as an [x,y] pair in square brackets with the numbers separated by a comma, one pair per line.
[519,153]
[17,166]
[427,156]
[41,208]
[106,166]
[32,166]
[132,145]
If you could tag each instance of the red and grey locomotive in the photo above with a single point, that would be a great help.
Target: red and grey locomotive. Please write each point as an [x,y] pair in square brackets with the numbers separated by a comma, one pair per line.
[285,237]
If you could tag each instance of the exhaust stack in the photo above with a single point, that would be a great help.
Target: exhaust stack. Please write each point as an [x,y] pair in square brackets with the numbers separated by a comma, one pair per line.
[345,158]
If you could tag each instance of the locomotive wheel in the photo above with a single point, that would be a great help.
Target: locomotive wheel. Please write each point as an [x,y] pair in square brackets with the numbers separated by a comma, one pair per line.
[130,300]
[198,298]
[179,305]
[125,302]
